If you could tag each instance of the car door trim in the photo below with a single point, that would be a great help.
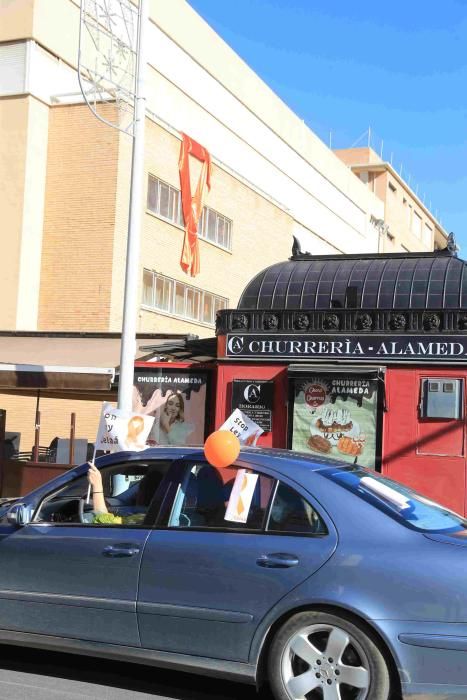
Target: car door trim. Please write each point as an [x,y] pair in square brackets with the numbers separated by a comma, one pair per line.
[232,670]
[193,612]
[73,600]
[434,641]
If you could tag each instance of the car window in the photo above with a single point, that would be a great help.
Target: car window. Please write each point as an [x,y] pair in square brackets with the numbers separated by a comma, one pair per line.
[292,514]
[227,499]
[400,502]
[129,489]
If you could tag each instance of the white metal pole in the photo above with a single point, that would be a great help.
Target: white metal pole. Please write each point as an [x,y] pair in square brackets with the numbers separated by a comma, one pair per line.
[130,304]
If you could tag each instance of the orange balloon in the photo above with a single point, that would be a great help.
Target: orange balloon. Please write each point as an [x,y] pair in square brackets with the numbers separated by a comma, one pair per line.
[222,448]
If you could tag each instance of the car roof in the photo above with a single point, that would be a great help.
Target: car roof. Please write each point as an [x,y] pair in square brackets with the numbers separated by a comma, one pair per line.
[281,459]
[284,459]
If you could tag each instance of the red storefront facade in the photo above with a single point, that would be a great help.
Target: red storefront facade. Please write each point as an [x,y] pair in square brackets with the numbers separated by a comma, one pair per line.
[362,358]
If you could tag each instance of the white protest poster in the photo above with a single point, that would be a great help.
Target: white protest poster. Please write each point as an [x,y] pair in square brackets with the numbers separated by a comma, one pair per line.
[243,427]
[241,496]
[119,430]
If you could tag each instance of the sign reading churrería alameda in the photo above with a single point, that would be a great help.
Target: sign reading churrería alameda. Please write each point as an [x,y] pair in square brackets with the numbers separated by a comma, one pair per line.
[446,348]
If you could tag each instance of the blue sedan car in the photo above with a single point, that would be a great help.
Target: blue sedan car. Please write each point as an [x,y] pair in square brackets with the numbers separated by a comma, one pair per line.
[321,578]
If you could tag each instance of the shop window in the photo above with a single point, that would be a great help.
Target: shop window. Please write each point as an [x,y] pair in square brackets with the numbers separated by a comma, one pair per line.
[442,398]
[165,294]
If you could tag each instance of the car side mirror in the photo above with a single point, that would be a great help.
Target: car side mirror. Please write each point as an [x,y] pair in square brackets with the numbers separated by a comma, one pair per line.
[19,515]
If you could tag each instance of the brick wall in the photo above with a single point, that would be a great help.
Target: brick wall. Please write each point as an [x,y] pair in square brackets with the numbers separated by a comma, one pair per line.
[55,418]
[261,235]
[76,272]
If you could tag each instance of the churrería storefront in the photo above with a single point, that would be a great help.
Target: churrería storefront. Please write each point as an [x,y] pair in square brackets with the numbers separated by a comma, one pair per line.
[358,357]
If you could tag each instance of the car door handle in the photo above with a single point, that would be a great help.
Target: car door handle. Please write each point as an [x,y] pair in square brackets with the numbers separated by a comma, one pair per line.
[278,560]
[120,550]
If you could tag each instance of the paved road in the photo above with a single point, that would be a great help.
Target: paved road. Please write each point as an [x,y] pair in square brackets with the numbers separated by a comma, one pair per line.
[37,675]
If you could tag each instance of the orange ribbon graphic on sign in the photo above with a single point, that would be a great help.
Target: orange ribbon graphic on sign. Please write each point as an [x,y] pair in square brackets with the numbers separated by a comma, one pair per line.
[240,504]
[192,205]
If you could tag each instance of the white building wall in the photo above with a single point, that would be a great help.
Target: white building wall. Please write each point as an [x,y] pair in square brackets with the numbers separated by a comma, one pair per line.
[319,191]
[33,217]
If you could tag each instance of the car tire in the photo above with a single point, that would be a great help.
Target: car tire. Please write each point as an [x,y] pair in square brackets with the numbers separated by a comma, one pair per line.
[320,656]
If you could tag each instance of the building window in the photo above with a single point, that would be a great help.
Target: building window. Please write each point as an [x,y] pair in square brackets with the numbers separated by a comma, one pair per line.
[165,201]
[428,236]
[392,188]
[417,225]
[215,228]
[148,288]
[165,294]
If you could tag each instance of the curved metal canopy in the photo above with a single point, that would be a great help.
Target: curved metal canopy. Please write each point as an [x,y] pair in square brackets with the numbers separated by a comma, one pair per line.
[383,281]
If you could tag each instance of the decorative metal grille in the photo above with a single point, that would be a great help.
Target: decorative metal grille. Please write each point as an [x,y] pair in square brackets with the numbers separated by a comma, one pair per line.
[107,61]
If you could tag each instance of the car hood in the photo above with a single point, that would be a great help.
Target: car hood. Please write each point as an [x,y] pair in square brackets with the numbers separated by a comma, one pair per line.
[458,539]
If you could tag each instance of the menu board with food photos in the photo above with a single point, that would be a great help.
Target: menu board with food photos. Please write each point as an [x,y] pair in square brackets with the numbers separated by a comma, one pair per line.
[336,415]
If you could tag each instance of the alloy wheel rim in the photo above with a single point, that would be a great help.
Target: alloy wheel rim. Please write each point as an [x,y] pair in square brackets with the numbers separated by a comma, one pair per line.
[325,662]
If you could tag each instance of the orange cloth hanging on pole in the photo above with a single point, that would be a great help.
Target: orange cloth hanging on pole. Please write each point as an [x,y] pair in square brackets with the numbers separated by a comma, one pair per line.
[192,206]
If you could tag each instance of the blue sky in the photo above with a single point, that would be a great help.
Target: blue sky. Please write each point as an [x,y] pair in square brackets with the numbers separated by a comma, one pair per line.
[398,67]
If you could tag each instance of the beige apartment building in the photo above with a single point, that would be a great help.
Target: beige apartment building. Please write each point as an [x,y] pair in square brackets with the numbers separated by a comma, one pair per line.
[65,189]
[407,224]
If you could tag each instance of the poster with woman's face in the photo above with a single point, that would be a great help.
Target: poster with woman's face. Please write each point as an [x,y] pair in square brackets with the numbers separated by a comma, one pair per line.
[176,399]
[336,416]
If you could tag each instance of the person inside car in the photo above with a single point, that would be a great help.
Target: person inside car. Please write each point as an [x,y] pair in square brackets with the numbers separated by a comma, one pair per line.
[138,495]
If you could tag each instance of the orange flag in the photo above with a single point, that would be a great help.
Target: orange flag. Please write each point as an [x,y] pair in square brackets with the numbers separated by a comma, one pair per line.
[192,205]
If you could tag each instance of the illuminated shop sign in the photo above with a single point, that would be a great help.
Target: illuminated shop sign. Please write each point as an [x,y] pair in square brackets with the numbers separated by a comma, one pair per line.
[444,348]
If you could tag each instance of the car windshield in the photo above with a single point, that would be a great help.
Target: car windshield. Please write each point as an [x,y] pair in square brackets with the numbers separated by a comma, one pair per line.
[409,507]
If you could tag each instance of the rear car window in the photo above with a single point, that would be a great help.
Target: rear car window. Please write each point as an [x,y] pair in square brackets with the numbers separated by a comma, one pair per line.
[229,499]
[409,507]
[292,514]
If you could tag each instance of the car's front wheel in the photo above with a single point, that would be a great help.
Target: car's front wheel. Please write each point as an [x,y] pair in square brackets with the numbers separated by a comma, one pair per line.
[319,656]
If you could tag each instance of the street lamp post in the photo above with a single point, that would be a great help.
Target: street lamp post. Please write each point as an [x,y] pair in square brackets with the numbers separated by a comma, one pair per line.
[111,69]
[130,304]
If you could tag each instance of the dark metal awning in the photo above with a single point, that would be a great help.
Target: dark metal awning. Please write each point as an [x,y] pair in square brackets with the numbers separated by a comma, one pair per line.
[192,350]
[56,381]
[72,365]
